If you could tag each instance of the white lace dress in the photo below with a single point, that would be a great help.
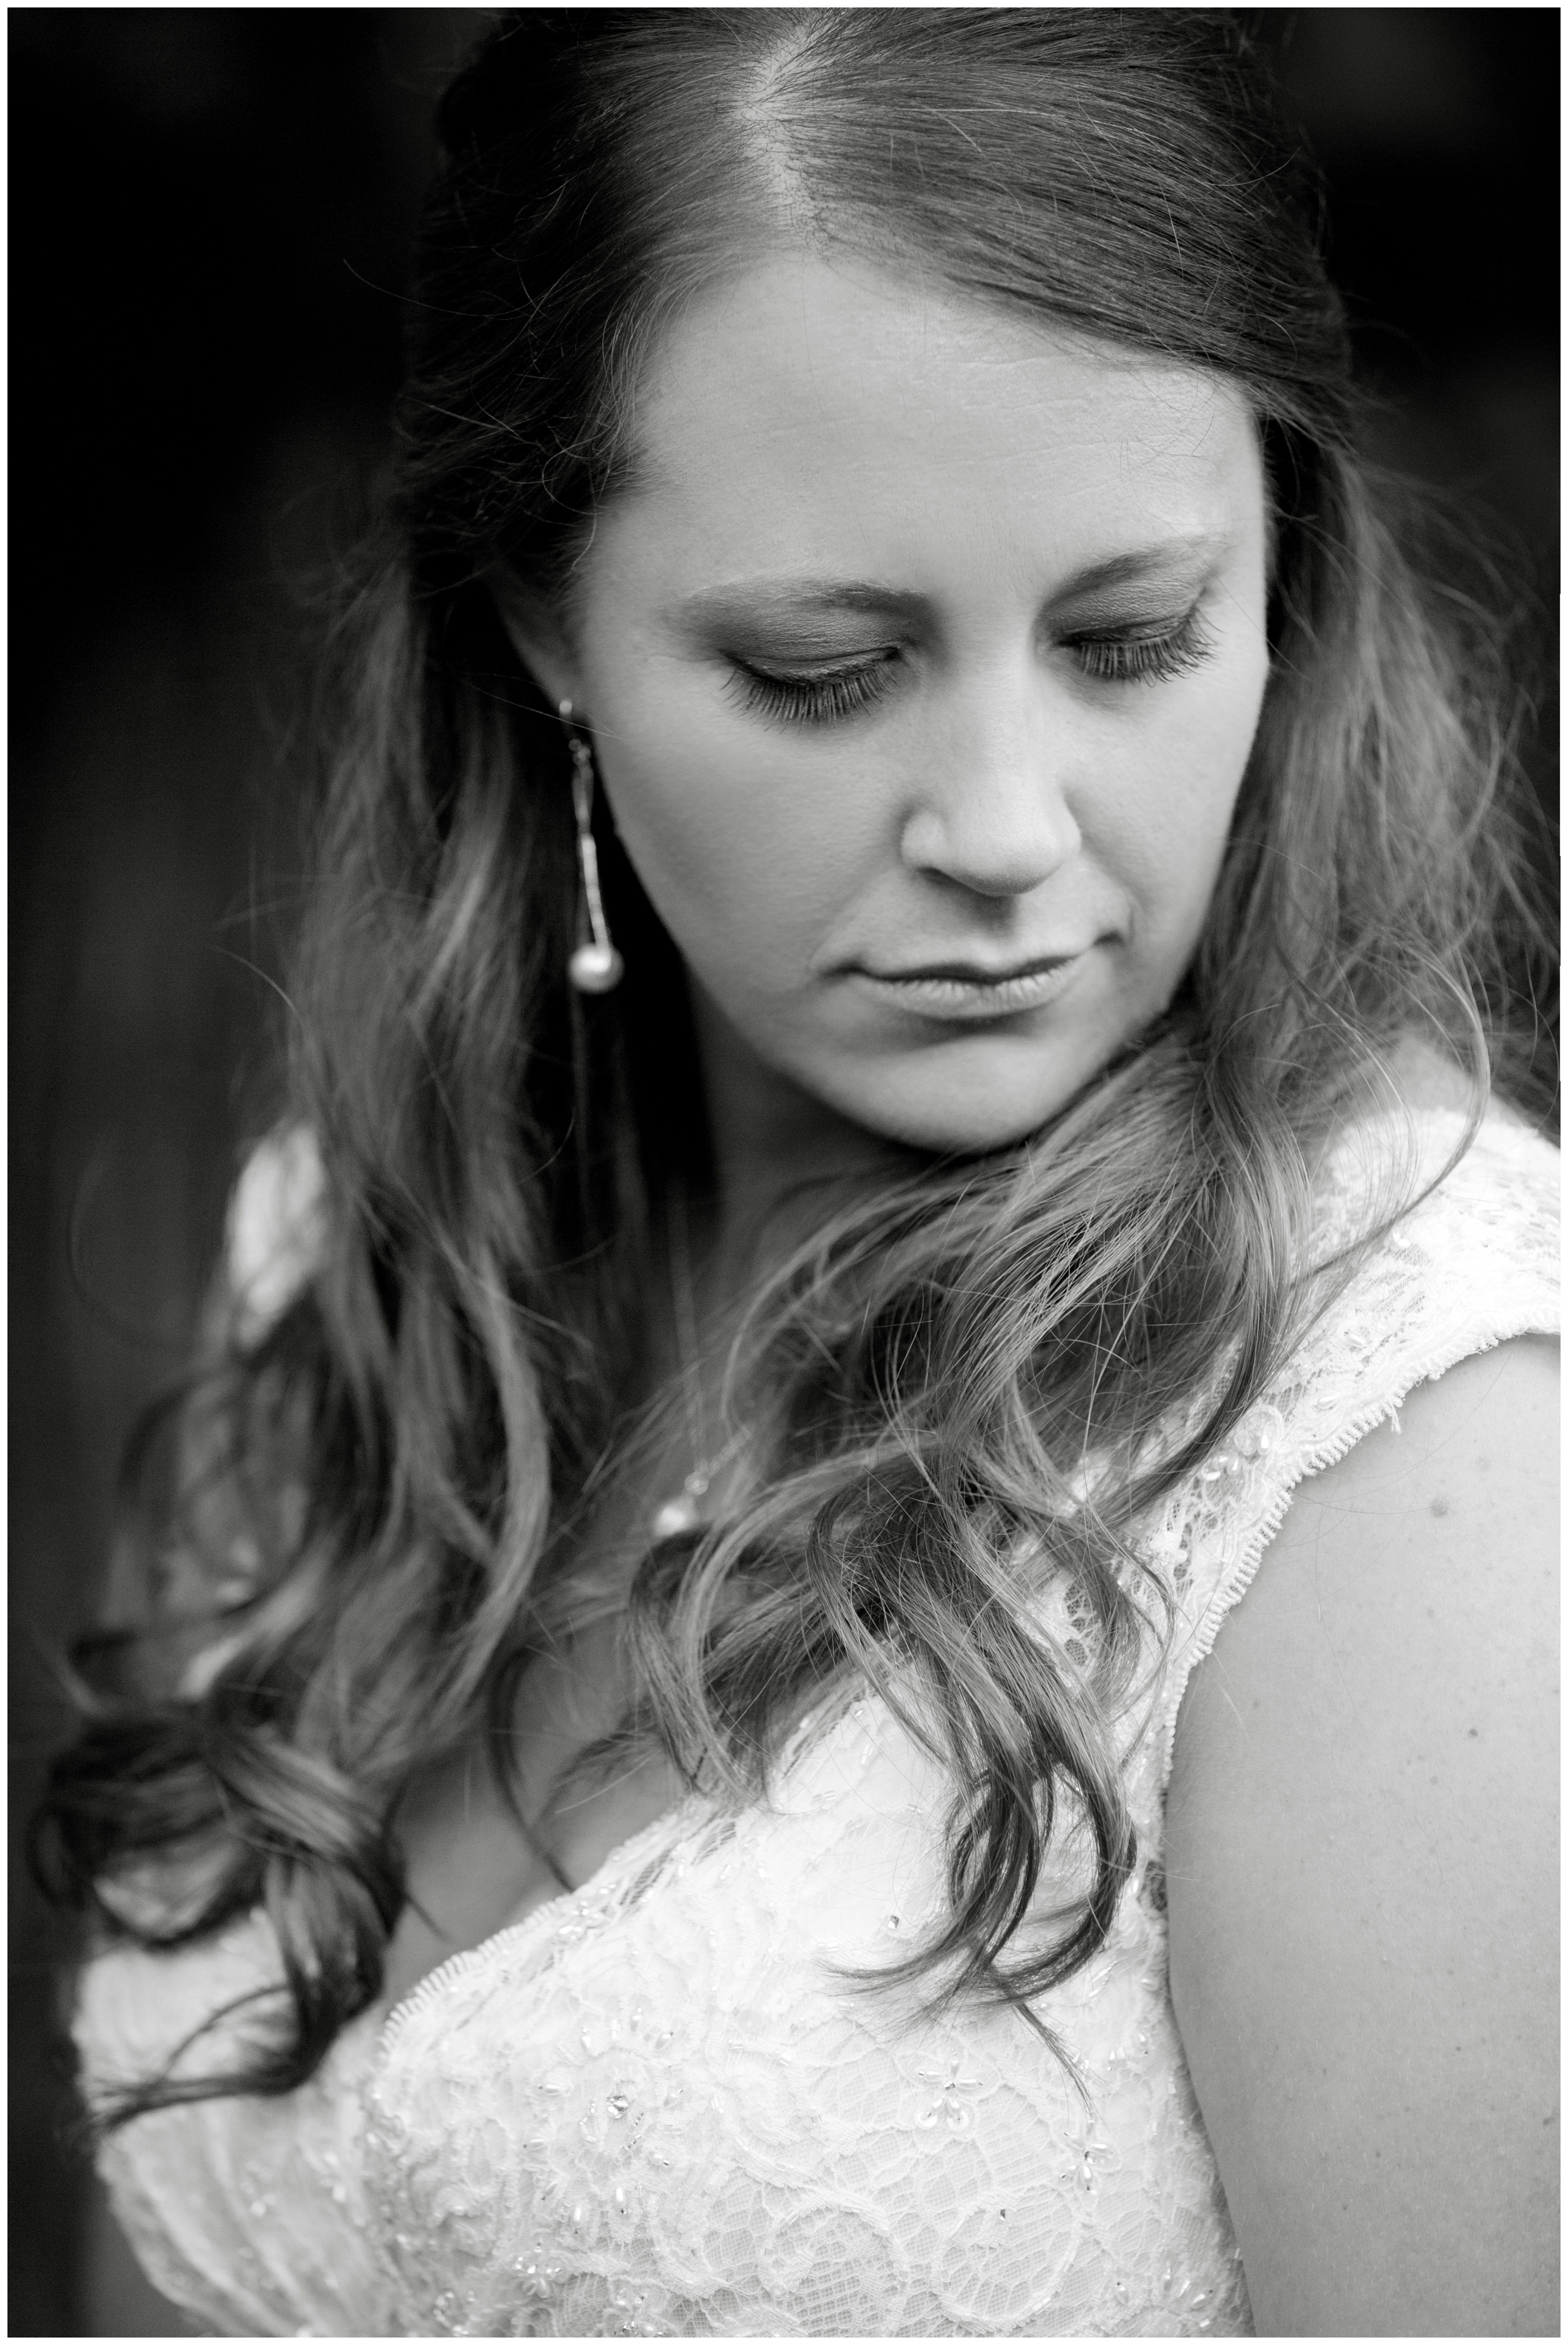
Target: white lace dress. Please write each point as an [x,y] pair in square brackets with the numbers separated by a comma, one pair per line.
[653,2108]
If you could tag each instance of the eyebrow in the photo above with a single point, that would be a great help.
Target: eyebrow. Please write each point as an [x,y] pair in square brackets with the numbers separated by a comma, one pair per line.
[787,597]
[808,597]
[1123,569]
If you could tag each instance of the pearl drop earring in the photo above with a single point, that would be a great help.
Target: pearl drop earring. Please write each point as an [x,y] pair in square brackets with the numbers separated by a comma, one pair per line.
[595,965]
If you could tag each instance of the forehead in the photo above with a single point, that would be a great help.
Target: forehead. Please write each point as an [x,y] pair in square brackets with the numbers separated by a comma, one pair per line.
[848,415]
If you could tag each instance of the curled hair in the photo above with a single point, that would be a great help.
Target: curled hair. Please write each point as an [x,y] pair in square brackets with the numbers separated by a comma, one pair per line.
[960,1390]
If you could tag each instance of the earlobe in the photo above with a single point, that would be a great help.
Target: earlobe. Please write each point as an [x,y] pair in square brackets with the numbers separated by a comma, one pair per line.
[538,636]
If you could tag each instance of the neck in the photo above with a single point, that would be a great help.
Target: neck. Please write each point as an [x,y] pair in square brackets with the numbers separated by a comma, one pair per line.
[770,1140]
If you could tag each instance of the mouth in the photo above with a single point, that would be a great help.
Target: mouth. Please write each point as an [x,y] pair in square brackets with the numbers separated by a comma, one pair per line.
[966,992]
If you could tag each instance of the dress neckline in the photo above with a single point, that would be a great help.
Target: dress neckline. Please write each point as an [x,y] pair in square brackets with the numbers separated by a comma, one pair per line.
[659,1838]
[550,1914]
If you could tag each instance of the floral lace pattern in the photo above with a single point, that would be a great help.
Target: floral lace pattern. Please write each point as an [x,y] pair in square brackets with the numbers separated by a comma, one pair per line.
[659,2108]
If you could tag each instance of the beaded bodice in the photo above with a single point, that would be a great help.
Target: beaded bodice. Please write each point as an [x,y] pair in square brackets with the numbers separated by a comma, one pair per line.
[658,2108]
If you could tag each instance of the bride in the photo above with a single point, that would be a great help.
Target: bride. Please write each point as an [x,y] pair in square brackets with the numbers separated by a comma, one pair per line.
[852,1631]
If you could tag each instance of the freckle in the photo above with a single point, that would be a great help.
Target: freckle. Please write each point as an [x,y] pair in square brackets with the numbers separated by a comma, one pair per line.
[1475,1734]
[1439,1506]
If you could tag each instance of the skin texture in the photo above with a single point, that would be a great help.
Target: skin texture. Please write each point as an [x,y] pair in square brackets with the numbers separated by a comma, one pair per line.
[1362,1874]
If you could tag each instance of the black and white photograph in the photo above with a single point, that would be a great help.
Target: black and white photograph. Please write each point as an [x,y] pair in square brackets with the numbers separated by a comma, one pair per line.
[784,1177]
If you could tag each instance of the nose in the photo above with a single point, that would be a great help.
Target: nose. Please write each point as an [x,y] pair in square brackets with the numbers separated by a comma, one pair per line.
[993,815]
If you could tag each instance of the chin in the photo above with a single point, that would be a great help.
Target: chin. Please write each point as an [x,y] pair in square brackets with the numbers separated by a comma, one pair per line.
[958,1110]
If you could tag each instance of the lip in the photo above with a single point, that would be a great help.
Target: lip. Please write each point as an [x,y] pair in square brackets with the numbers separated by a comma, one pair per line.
[962,992]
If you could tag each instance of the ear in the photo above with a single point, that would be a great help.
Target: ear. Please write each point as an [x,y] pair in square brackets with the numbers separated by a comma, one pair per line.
[539,638]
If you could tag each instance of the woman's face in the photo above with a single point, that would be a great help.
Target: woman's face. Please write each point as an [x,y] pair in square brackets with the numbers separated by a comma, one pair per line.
[923,657]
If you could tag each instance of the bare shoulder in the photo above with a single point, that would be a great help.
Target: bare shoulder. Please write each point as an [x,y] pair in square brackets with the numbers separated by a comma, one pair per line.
[1362,1864]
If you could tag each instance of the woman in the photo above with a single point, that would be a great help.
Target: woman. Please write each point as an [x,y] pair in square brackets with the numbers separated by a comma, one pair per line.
[889,1087]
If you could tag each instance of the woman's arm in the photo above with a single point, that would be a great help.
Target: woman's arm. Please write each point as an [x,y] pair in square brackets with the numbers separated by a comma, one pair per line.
[1363,1889]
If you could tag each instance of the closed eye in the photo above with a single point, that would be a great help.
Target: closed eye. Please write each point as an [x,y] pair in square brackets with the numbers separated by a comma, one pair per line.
[1145,656]
[830,696]
[825,697]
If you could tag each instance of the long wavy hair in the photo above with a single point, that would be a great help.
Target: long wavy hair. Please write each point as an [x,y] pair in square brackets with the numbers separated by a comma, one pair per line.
[960,1388]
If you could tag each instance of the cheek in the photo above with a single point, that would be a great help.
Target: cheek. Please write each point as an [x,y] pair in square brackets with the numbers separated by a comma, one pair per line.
[1163,831]
[745,854]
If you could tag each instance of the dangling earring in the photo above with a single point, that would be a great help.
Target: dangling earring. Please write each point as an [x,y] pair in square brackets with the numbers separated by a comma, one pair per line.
[595,965]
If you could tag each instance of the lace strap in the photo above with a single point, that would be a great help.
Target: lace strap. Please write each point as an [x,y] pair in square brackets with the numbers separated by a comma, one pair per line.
[1473,1265]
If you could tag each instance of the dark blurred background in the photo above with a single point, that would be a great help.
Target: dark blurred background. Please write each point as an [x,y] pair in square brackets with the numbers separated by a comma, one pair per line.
[210,213]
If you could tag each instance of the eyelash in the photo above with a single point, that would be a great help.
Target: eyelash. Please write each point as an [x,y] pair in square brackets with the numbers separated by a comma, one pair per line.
[1143,659]
[845,693]
[813,700]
